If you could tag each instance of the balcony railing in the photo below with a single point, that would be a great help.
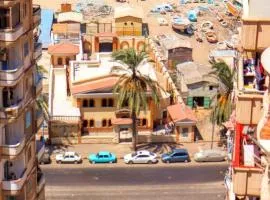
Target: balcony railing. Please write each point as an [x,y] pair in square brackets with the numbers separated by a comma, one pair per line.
[13,149]
[36,15]
[40,148]
[38,50]
[11,34]
[16,184]
[10,75]
[39,119]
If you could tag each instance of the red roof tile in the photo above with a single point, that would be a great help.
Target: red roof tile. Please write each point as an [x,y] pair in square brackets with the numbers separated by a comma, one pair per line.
[107,82]
[179,112]
[63,48]
[122,121]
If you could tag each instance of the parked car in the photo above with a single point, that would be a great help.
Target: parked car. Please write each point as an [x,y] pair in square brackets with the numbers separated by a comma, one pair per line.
[141,157]
[176,155]
[68,157]
[102,157]
[210,155]
[45,159]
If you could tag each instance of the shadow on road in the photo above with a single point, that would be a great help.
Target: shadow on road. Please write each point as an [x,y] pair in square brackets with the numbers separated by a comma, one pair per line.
[159,147]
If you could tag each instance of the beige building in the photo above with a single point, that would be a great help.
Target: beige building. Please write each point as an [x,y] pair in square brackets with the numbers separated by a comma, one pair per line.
[20,176]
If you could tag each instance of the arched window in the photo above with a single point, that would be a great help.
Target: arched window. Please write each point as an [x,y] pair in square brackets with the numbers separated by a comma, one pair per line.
[85,103]
[85,123]
[144,122]
[110,102]
[104,123]
[125,23]
[109,123]
[91,123]
[67,60]
[104,102]
[91,103]
[59,61]
[131,23]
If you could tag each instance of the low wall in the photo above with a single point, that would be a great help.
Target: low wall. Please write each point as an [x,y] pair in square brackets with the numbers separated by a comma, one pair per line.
[156,138]
[64,140]
[98,140]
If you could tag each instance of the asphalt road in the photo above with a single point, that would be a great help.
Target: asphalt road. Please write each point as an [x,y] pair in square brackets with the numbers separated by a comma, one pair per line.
[144,182]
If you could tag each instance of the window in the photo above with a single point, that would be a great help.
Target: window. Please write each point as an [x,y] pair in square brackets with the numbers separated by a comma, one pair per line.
[29,153]
[59,61]
[144,122]
[85,103]
[131,23]
[104,102]
[26,49]
[28,119]
[100,156]
[104,123]
[184,132]
[125,23]
[10,198]
[91,123]
[143,156]
[164,114]
[109,123]
[85,123]
[4,18]
[106,156]
[211,87]
[91,103]
[67,61]
[110,102]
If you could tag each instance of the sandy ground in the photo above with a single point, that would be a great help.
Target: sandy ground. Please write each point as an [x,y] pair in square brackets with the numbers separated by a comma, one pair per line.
[200,50]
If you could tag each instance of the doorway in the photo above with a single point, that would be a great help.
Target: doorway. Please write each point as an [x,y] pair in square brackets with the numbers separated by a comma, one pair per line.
[199,101]
[105,47]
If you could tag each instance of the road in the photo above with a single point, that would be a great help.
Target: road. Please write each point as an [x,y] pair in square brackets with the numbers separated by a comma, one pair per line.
[144,182]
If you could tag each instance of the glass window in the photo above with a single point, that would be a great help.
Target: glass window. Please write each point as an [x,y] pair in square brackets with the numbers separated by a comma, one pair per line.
[110,103]
[143,156]
[184,132]
[134,154]
[26,49]
[85,103]
[59,61]
[85,123]
[100,156]
[28,119]
[144,122]
[10,198]
[4,18]
[91,103]
[91,123]
[211,87]
[109,123]
[104,102]
[106,156]
[104,123]
[71,156]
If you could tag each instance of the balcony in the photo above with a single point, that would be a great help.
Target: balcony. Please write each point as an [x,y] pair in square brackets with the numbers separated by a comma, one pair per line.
[38,50]
[40,149]
[11,34]
[13,108]
[9,75]
[36,15]
[13,149]
[13,183]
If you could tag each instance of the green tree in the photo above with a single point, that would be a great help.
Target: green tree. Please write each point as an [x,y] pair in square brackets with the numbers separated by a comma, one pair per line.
[223,107]
[132,85]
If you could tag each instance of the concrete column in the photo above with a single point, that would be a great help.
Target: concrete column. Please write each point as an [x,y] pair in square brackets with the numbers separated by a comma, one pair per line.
[1,97]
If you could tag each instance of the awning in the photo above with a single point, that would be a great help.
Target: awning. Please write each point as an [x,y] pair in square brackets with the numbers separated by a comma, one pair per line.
[122,121]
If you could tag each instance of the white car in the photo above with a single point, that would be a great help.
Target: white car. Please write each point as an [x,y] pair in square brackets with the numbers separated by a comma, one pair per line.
[68,157]
[141,157]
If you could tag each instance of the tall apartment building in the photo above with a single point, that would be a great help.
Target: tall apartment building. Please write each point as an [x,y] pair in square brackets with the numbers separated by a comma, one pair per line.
[20,177]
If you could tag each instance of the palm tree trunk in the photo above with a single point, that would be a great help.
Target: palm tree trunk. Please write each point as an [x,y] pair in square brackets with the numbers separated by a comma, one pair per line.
[134,130]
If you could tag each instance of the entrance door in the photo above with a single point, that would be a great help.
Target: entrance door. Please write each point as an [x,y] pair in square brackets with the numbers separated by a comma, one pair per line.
[105,47]
[125,135]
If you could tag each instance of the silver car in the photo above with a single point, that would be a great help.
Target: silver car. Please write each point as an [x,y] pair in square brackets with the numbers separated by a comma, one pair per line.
[141,157]
[210,155]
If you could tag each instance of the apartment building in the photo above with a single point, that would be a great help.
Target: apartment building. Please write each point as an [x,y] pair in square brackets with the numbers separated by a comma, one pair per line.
[20,176]
[248,174]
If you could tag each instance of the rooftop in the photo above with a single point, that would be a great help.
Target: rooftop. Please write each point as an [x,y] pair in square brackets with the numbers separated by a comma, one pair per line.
[63,48]
[123,11]
[180,113]
[66,28]
[70,16]
[171,42]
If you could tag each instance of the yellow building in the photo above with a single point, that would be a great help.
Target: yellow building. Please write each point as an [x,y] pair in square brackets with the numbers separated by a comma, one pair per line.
[20,85]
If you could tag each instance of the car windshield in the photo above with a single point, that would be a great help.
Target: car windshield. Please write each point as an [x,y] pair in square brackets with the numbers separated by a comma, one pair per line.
[76,154]
[134,154]
[152,154]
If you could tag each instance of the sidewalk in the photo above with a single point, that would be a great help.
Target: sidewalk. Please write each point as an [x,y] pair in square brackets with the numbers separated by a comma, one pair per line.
[122,149]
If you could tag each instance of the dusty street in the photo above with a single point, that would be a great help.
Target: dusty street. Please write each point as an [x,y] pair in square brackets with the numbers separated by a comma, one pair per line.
[162,181]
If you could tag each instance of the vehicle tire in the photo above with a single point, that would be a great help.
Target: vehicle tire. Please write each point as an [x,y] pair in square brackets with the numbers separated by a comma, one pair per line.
[186,161]
[149,162]
[111,162]
[76,162]
[59,162]
[130,162]
[42,163]
[93,162]
[167,161]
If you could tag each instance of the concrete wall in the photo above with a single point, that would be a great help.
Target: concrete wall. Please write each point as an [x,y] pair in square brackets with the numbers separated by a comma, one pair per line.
[128,26]
[54,59]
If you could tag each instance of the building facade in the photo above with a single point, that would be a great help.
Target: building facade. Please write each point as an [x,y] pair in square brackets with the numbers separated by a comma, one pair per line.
[20,176]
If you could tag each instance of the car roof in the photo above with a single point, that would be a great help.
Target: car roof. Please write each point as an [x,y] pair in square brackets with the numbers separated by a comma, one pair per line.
[70,152]
[180,150]
[212,151]
[103,153]
[143,152]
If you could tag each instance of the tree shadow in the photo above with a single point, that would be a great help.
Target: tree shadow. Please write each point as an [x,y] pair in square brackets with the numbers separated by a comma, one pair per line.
[158,147]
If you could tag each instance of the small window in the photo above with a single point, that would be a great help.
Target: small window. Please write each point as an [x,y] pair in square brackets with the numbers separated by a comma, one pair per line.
[104,102]
[164,114]
[211,87]
[67,61]
[85,123]
[28,119]
[184,132]
[85,103]
[110,103]
[91,103]
[100,156]
[60,61]
[26,49]
[106,156]
[144,122]
[71,156]
[131,23]
[125,23]
[91,123]
[109,123]
[29,153]
[104,123]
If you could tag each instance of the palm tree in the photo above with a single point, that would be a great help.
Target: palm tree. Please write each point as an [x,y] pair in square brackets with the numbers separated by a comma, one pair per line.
[132,85]
[223,108]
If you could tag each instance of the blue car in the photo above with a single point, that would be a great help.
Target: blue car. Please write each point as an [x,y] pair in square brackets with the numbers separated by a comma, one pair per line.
[102,157]
[176,155]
